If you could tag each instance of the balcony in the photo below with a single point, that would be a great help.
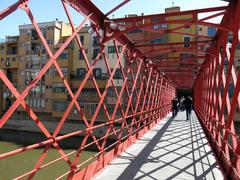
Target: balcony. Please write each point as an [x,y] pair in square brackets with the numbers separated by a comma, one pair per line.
[63,62]
[12,39]
[57,114]
[9,62]
[89,84]
[12,49]
[118,82]
[8,94]
[57,79]
[48,79]
[93,98]
[34,35]
[59,44]
[59,95]
[113,100]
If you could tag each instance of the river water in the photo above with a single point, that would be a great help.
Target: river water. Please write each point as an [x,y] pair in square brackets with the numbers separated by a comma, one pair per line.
[19,164]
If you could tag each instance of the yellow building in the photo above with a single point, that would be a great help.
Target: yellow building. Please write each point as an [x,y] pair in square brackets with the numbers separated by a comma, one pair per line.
[179,37]
[9,65]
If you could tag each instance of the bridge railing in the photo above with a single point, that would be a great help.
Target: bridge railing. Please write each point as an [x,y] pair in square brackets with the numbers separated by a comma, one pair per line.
[143,98]
[217,99]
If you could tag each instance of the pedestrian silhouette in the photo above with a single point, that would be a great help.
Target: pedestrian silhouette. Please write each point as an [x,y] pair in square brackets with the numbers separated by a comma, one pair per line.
[188,106]
[174,107]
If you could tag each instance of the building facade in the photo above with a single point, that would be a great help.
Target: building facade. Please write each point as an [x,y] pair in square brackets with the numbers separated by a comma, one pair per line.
[23,56]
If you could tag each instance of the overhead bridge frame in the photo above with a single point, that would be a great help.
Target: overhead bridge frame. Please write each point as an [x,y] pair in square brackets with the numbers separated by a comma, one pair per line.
[149,84]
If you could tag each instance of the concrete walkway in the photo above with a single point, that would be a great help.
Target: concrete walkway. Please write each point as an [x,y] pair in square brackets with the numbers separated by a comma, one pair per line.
[173,149]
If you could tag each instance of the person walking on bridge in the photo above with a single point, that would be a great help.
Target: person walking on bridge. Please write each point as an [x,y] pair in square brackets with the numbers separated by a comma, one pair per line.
[188,106]
[174,107]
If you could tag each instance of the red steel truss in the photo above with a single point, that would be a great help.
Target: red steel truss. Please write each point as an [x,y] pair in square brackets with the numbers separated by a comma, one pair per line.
[150,79]
[212,97]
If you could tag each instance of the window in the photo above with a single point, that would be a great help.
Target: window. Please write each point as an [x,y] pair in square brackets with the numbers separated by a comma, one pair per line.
[81,72]
[231,90]
[11,50]
[14,59]
[136,31]
[158,26]
[7,62]
[50,42]
[2,59]
[111,49]
[43,50]
[156,41]
[95,41]
[75,111]
[59,88]
[97,73]
[64,71]
[187,39]
[184,56]
[237,109]
[164,26]
[82,39]
[59,106]
[212,31]
[117,74]
[43,103]
[44,32]
[34,102]
[63,55]
[119,49]
[81,54]
[38,102]
[95,52]
[111,92]
[34,35]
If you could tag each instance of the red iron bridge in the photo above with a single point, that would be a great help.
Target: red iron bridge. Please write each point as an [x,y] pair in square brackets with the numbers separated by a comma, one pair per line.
[148,142]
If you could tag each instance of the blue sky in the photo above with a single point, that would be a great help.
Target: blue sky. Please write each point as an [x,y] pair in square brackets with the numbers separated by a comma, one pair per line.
[49,10]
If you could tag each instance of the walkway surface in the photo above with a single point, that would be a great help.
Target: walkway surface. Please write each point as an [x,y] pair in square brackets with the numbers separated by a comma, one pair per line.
[173,149]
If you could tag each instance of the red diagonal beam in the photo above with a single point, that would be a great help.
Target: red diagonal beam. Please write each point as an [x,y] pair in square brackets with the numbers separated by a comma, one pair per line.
[172,31]
[190,22]
[169,59]
[4,13]
[189,50]
[173,44]
[117,7]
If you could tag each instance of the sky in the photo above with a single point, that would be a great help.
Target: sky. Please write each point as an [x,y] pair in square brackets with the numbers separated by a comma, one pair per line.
[49,10]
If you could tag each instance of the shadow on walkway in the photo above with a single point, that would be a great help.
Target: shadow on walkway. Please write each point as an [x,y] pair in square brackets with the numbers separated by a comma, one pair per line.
[173,149]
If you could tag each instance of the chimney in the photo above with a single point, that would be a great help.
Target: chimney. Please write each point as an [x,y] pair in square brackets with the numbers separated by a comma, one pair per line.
[172,9]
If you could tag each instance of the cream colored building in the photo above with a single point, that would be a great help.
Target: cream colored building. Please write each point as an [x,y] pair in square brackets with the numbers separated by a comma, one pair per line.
[33,56]
[22,58]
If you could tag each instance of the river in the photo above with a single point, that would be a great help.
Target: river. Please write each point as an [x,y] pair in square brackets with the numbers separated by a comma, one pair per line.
[19,164]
